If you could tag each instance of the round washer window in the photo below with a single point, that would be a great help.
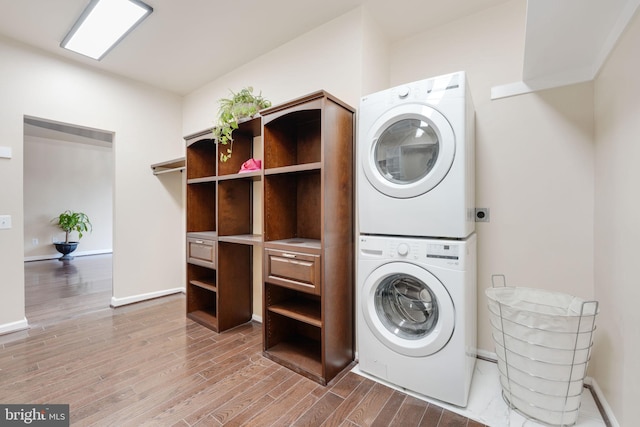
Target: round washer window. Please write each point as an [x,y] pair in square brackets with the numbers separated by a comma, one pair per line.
[407,151]
[406,306]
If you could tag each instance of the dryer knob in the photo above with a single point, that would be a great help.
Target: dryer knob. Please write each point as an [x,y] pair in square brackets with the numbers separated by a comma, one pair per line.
[403,249]
[403,92]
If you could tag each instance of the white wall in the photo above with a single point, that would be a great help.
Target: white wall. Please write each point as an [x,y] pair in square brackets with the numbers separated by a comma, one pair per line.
[148,227]
[61,175]
[617,344]
[375,57]
[328,57]
[534,156]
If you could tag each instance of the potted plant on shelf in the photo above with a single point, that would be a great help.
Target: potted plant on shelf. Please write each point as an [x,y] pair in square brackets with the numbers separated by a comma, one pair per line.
[69,221]
[241,105]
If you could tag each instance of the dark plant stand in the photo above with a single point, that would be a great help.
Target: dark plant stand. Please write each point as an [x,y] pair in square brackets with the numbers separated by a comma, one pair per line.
[65,249]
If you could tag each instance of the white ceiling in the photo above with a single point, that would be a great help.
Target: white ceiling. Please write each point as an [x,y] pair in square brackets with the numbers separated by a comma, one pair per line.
[187,43]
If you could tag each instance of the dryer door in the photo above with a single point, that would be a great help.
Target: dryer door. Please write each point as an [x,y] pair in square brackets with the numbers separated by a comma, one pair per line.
[409,150]
[408,309]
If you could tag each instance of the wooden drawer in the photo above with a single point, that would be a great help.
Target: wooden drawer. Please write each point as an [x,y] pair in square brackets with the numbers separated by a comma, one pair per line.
[201,252]
[293,270]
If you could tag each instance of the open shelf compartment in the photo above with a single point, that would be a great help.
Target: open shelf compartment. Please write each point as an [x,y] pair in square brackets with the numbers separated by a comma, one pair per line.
[293,139]
[201,203]
[201,159]
[202,298]
[294,344]
[235,207]
[293,206]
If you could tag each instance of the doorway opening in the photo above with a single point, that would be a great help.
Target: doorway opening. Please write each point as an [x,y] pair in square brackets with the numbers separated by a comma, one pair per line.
[66,167]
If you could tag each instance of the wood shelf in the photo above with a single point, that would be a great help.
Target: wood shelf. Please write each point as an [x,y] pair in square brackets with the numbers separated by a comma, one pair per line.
[175,165]
[205,285]
[294,168]
[203,317]
[209,235]
[301,355]
[253,176]
[202,180]
[302,310]
[296,244]
[243,239]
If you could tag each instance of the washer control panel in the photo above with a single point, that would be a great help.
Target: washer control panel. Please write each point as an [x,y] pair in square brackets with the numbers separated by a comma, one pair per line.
[442,252]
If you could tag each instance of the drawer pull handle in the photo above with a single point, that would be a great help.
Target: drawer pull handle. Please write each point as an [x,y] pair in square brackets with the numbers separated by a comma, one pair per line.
[199,242]
[286,255]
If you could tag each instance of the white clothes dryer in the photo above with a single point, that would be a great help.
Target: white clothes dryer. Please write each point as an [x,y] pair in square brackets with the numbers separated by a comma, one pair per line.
[416,171]
[416,314]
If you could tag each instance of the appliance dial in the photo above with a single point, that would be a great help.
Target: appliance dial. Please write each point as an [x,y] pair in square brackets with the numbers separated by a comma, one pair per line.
[403,249]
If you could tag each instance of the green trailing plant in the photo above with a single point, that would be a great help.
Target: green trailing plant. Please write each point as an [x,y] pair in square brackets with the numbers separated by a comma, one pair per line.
[240,105]
[69,221]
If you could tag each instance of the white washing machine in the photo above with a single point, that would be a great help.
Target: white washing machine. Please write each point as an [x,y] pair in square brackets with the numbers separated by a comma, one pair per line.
[416,314]
[416,171]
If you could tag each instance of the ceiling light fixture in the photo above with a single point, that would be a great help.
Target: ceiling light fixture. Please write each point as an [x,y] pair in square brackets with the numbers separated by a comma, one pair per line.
[103,24]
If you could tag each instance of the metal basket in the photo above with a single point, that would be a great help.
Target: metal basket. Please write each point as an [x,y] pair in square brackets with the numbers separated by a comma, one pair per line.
[543,342]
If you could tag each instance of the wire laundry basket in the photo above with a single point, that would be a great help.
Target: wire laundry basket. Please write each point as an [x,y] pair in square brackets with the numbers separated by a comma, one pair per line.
[543,342]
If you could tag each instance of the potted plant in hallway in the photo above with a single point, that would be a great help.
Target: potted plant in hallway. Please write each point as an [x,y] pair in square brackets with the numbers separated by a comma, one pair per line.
[70,221]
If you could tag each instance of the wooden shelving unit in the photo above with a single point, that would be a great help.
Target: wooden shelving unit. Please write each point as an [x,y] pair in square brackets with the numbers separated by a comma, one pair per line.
[309,236]
[306,237]
[219,229]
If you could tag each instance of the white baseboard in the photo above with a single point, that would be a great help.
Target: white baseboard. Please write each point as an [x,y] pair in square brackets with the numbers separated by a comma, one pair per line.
[119,302]
[257,318]
[602,400]
[20,325]
[487,355]
[74,254]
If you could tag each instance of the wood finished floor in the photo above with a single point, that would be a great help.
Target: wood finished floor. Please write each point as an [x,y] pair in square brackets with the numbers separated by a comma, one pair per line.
[59,290]
[148,365]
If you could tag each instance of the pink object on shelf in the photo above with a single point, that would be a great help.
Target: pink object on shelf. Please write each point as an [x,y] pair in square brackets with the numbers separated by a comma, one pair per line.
[251,165]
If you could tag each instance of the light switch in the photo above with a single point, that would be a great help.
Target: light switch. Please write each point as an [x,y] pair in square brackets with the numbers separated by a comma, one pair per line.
[5,221]
[5,152]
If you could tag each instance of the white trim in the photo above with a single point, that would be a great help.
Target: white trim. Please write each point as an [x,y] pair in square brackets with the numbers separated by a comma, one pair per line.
[118,302]
[511,89]
[541,83]
[488,355]
[627,13]
[74,254]
[603,401]
[20,325]
[256,318]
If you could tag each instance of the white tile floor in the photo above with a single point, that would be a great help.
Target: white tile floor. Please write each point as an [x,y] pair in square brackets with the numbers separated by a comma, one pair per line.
[487,406]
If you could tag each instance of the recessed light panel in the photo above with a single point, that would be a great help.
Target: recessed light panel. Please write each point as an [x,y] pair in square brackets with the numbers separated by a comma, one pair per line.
[103,24]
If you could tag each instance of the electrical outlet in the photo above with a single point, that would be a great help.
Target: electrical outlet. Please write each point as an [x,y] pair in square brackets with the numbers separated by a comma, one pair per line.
[34,241]
[482,214]
[5,221]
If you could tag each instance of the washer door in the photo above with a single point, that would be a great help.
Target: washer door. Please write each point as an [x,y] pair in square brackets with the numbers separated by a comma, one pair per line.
[410,150]
[408,309]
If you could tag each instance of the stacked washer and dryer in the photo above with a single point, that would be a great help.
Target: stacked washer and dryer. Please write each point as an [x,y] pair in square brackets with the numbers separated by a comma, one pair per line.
[416,273]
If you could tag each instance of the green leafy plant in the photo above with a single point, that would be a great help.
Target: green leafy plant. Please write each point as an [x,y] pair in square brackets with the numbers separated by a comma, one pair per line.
[69,221]
[240,105]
